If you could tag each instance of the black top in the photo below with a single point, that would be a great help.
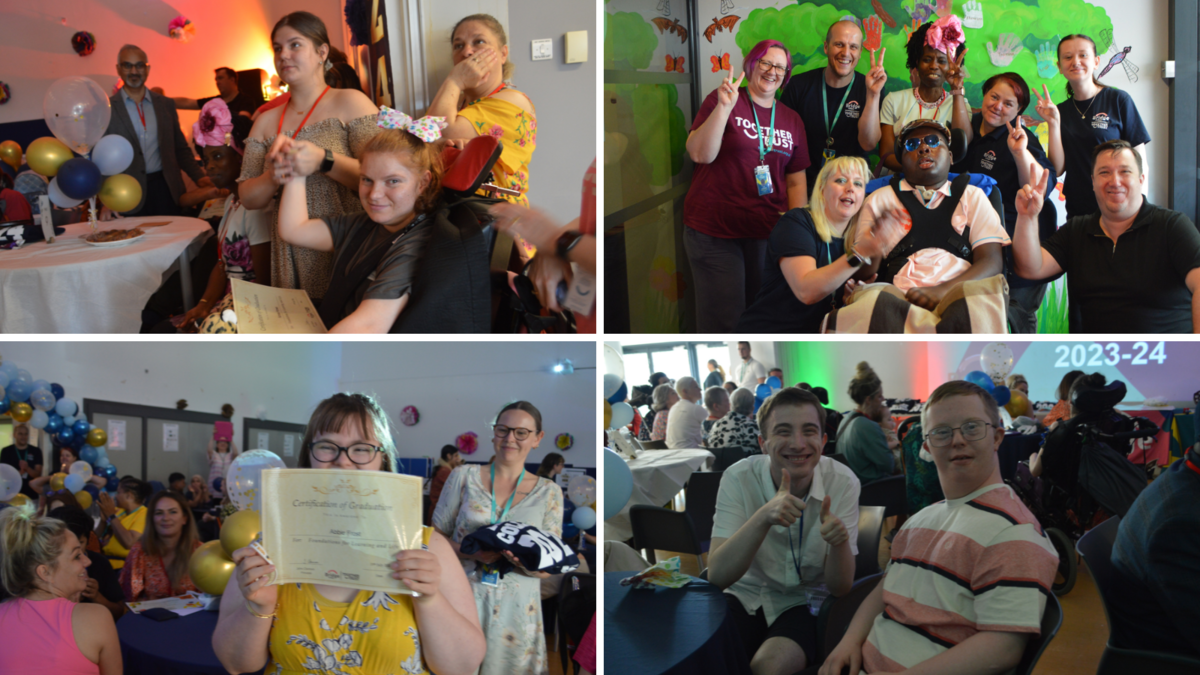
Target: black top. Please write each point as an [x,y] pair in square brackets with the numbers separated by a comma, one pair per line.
[1136,285]
[12,457]
[240,103]
[803,94]
[1112,115]
[777,309]
[713,379]
[102,571]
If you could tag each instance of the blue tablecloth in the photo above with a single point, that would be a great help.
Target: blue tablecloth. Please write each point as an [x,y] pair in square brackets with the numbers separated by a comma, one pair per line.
[676,631]
[180,646]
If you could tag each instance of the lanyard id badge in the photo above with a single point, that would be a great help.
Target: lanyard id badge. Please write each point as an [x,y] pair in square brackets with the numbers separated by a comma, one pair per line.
[762,172]
[762,179]
[829,153]
[491,576]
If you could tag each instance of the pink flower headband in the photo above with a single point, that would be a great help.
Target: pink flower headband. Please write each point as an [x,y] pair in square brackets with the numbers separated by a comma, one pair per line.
[945,35]
[215,125]
[428,129]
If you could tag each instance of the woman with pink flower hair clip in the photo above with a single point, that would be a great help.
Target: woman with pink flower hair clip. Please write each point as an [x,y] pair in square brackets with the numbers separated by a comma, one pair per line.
[935,54]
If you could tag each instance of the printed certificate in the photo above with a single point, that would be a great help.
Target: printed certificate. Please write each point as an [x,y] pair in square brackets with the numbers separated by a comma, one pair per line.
[263,309]
[340,527]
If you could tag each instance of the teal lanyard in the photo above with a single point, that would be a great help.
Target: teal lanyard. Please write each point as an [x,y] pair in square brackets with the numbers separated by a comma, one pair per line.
[763,149]
[511,497]
[825,109]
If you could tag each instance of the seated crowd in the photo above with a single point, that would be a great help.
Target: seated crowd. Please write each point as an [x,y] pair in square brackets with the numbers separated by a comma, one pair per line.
[943,234]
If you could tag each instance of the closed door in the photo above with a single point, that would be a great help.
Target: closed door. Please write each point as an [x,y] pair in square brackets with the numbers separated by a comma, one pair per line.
[174,446]
[286,444]
[124,442]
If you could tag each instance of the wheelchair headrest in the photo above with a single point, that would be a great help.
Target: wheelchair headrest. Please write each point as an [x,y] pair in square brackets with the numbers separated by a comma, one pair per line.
[468,168]
[1093,401]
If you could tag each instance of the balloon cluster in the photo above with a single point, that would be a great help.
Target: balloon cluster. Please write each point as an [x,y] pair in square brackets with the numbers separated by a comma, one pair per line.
[581,490]
[618,479]
[997,362]
[763,391]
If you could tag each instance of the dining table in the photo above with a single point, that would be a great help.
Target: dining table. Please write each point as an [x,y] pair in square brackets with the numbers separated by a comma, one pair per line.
[658,475]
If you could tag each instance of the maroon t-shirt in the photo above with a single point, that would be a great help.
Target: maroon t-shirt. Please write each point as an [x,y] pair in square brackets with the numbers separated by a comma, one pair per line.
[723,200]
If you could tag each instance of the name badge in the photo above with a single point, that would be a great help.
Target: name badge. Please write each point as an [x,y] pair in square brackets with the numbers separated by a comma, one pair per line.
[491,576]
[581,296]
[762,178]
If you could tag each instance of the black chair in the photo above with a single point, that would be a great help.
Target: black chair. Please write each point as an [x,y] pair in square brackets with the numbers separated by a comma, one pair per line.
[664,530]
[1051,622]
[654,445]
[836,613]
[576,607]
[870,532]
[1096,549]
[841,458]
[886,492]
[727,457]
[701,496]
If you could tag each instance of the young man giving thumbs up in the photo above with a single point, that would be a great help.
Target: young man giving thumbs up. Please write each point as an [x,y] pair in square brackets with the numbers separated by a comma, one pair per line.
[784,534]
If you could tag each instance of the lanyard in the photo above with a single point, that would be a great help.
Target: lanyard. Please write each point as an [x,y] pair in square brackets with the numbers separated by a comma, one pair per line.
[1191,466]
[792,550]
[303,121]
[494,92]
[763,149]
[141,115]
[511,497]
[825,109]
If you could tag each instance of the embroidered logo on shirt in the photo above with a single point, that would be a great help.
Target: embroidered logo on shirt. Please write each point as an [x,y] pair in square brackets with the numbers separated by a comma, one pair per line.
[1100,121]
[989,160]
[782,142]
[853,110]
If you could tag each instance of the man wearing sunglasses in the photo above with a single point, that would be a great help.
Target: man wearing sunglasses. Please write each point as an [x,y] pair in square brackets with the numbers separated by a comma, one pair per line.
[936,233]
[969,576]
[151,125]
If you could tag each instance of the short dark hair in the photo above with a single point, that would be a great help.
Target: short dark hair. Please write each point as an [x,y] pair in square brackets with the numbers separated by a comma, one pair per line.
[743,342]
[1115,146]
[789,396]
[77,520]
[140,488]
[448,450]
[549,462]
[1063,393]
[962,388]
[1087,382]
[655,377]
[228,71]
[1018,84]
[176,476]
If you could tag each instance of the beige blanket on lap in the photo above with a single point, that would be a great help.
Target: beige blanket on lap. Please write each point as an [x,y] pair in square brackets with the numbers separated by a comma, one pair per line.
[972,307]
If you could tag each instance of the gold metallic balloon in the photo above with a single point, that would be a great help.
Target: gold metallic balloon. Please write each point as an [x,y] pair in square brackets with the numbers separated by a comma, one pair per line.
[607,414]
[84,499]
[239,530]
[46,154]
[10,154]
[21,412]
[210,568]
[121,192]
[20,500]
[56,481]
[97,437]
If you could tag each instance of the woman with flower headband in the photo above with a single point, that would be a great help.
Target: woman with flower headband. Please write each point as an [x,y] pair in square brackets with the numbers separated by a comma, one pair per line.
[375,253]
[935,52]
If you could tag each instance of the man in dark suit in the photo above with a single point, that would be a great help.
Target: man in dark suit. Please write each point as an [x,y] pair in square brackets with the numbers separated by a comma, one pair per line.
[160,149]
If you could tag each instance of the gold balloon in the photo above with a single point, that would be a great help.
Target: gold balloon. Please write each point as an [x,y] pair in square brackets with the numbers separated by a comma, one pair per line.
[607,414]
[20,500]
[97,437]
[21,412]
[10,154]
[56,481]
[121,192]
[210,568]
[1018,405]
[84,499]
[46,154]
[239,530]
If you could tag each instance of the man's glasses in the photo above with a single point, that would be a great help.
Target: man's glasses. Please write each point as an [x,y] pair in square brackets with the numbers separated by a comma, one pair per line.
[134,66]
[359,453]
[501,431]
[943,436]
[932,140]
[767,67]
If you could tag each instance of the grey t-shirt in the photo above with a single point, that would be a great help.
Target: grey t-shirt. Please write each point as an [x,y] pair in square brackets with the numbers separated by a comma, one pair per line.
[394,275]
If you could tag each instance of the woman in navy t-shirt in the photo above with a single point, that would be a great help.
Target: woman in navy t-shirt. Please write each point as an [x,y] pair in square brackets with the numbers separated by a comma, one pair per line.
[1091,115]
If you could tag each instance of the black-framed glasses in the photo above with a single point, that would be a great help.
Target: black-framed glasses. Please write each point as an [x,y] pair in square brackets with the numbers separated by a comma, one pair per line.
[932,140]
[501,431]
[134,66]
[971,431]
[767,67]
[359,453]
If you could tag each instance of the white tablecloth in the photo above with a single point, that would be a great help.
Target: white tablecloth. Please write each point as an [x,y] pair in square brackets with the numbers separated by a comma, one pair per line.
[72,287]
[658,475]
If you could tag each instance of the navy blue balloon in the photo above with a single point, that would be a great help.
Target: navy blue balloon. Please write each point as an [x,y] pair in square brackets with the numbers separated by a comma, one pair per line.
[108,471]
[79,178]
[619,395]
[92,490]
[89,455]
[65,436]
[4,405]
[1002,395]
[81,428]
[113,484]
[55,424]
[217,483]
[980,378]
[77,442]
[57,390]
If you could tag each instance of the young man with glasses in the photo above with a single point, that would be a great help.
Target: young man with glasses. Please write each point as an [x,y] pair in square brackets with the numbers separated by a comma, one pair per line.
[969,576]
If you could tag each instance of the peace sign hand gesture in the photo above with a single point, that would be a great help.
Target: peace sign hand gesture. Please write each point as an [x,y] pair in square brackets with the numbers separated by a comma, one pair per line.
[1046,107]
[1018,139]
[877,76]
[955,73]
[1029,198]
[727,93]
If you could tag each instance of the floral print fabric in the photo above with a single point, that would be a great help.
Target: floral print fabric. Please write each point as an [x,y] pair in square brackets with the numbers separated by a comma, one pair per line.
[517,130]
[144,578]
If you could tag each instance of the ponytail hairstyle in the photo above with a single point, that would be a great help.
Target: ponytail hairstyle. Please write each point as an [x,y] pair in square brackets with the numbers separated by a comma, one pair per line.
[1058,55]
[508,70]
[311,27]
[420,155]
[27,541]
[716,366]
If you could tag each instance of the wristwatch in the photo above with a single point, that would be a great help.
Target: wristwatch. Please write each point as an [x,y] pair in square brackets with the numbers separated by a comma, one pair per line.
[327,165]
[566,242]
[854,260]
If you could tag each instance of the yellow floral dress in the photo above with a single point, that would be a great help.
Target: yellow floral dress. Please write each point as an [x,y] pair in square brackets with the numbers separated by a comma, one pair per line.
[517,130]
[373,634]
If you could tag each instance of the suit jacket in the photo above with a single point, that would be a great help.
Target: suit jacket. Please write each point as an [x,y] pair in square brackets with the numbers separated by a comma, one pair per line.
[173,147]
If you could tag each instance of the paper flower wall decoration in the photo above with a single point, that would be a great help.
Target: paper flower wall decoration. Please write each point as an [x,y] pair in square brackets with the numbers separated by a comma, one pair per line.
[410,416]
[181,28]
[5,93]
[467,443]
[83,43]
[564,441]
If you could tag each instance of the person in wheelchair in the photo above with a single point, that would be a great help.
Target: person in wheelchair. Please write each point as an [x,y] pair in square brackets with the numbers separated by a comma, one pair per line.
[937,235]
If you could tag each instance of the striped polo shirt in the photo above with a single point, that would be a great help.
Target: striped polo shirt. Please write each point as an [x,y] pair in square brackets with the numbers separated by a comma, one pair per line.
[959,567]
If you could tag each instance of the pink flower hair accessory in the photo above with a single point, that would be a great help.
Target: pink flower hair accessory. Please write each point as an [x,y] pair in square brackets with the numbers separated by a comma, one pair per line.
[945,35]
[214,125]
[428,129]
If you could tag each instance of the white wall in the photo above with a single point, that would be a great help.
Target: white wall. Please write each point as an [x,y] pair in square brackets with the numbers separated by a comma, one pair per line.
[460,386]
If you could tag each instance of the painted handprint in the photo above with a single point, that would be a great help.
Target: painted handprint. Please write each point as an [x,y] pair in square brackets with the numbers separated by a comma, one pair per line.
[921,11]
[945,8]
[973,14]
[1046,58]
[873,27]
[1010,46]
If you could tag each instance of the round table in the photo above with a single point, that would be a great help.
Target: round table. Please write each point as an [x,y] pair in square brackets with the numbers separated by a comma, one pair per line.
[669,630]
[658,475]
[180,646]
[71,286]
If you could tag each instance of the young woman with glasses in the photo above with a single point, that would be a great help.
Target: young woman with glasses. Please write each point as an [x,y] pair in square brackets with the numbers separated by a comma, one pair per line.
[304,627]
[510,608]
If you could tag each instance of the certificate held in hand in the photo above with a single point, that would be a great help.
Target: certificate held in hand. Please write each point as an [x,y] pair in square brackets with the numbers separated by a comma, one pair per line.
[340,527]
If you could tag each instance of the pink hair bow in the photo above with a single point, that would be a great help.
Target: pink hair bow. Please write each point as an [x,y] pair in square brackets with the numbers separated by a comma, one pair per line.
[428,129]
[214,124]
[945,35]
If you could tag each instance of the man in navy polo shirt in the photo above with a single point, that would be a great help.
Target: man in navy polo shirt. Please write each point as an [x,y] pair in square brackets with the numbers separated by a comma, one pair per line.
[1131,268]
[836,96]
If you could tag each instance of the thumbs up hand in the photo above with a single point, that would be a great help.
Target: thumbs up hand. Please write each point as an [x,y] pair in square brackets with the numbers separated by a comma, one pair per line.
[833,531]
[784,508]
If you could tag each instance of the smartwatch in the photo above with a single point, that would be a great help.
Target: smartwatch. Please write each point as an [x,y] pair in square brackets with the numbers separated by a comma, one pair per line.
[327,165]
[565,243]
[854,260]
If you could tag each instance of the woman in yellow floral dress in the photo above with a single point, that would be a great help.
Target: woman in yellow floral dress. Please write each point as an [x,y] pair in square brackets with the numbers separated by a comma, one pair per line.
[294,629]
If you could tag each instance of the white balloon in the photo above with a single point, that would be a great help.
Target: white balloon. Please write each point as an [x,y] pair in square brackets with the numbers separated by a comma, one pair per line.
[81,468]
[613,364]
[243,481]
[997,361]
[581,490]
[611,384]
[113,154]
[58,198]
[622,414]
[77,111]
[10,482]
